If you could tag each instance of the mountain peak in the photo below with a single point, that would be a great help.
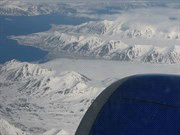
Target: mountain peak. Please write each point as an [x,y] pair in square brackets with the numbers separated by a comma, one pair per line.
[74,77]
[16,70]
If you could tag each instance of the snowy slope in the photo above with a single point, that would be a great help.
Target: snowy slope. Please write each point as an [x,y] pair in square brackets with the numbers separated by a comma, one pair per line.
[36,99]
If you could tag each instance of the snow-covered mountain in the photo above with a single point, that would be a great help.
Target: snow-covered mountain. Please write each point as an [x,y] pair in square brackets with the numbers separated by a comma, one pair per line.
[92,27]
[17,8]
[141,30]
[104,39]
[36,99]
[17,71]
[30,8]
[163,55]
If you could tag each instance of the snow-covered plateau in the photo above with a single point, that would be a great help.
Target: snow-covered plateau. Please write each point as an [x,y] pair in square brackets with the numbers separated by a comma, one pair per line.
[143,35]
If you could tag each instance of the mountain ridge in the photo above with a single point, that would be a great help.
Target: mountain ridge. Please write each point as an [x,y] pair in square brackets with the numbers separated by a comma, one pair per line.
[107,40]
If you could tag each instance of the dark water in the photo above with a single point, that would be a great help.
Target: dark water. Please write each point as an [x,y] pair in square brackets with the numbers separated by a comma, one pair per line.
[23,25]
